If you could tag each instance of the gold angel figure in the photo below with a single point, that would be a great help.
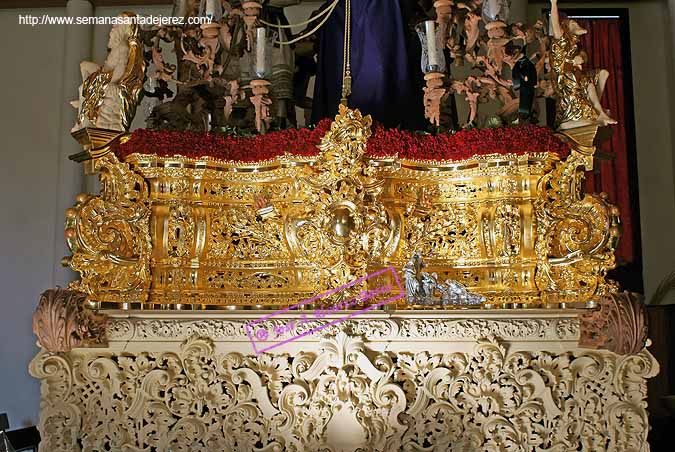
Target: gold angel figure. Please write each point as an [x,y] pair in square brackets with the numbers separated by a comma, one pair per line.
[578,91]
[110,93]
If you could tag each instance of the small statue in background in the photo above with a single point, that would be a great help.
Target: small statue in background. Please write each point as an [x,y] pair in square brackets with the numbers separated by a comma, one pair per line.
[110,93]
[578,92]
[525,81]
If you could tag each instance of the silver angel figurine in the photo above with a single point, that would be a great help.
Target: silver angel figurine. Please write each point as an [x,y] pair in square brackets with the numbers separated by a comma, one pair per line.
[422,288]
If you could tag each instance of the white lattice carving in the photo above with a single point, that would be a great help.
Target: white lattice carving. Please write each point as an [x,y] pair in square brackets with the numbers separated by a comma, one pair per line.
[370,329]
[341,397]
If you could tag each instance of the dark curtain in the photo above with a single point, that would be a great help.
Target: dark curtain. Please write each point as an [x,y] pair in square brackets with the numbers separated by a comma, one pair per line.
[383,84]
[611,175]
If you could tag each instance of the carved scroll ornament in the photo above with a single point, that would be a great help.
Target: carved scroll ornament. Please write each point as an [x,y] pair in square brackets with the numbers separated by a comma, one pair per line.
[578,232]
[62,321]
[342,397]
[109,236]
[342,223]
[619,325]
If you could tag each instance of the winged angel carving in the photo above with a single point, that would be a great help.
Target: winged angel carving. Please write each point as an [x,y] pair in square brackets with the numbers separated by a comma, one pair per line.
[110,93]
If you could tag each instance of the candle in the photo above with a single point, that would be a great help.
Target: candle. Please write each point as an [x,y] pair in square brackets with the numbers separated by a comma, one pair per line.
[211,8]
[180,8]
[260,49]
[430,29]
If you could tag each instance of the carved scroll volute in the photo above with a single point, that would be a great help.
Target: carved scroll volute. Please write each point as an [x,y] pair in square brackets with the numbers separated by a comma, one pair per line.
[618,325]
[109,236]
[577,233]
[62,321]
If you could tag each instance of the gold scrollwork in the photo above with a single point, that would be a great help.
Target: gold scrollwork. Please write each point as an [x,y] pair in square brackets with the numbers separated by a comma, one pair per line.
[109,236]
[578,233]
[514,228]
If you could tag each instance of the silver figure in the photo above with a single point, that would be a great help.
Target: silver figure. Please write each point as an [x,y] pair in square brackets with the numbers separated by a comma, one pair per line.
[422,287]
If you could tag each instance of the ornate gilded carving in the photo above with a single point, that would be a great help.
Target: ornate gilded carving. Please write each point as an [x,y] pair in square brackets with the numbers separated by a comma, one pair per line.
[109,236]
[577,232]
[62,321]
[513,228]
[341,395]
[342,220]
[619,325]
[181,230]
[238,233]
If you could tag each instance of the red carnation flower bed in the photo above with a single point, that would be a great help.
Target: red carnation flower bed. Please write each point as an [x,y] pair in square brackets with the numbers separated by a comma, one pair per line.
[383,143]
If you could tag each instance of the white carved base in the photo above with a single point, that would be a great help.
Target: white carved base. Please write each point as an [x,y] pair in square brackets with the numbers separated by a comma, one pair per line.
[385,381]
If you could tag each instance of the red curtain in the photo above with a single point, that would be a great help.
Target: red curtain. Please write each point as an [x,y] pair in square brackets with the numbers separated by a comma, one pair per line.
[603,44]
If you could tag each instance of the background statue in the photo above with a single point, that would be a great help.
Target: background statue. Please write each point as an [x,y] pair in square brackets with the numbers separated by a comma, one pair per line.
[110,93]
[524,76]
[578,92]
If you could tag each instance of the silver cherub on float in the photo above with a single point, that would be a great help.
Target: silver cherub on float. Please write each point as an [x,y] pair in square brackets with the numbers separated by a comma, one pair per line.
[422,288]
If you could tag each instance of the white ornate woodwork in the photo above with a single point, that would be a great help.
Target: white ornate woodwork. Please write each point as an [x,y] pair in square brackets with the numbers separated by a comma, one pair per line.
[384,381]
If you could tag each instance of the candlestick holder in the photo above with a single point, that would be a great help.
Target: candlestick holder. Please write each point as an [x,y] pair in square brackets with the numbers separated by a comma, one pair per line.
[433,66]
[210,43]
[443,12]
[433,94]
[496,31]
[212,9]
[251,12]
[261,102]
[433,59]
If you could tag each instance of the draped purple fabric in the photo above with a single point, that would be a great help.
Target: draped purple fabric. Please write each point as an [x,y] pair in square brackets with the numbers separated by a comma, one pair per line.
[382,83]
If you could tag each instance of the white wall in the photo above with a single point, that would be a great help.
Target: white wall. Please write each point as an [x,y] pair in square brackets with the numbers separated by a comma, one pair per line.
[30,101]
[32,127]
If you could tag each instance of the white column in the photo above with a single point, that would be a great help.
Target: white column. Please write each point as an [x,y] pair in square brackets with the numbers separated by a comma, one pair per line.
[70,176]
[671,49]
[518,11]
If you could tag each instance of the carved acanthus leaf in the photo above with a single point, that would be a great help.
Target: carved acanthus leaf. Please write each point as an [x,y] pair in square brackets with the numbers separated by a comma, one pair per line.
[619,325]
[62,321]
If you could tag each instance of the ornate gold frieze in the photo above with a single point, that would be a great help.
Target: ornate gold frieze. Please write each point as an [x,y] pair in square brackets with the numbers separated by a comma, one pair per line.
[514,228]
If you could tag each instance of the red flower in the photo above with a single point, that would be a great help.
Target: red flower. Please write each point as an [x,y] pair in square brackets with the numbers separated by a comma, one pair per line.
[383,143]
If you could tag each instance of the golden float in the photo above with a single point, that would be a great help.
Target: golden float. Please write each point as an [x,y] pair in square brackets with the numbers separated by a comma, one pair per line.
[517,229]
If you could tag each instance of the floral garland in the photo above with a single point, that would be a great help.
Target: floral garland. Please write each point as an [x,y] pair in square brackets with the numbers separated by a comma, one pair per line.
[383,143]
